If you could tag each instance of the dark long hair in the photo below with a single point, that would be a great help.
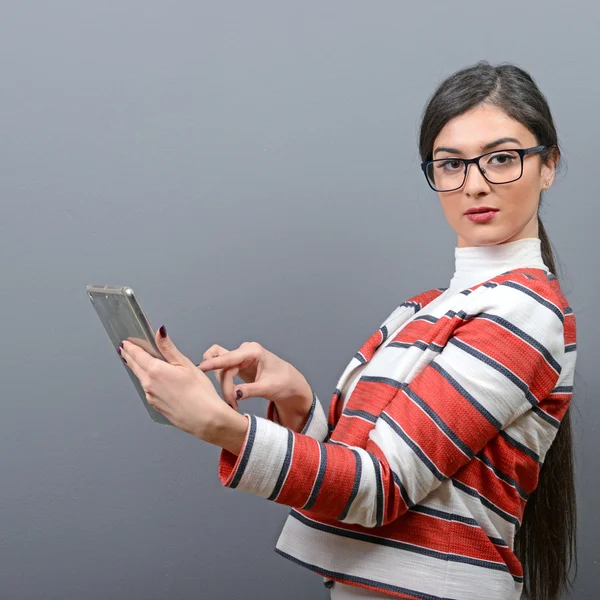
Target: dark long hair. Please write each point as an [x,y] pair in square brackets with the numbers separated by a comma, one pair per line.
[546,541]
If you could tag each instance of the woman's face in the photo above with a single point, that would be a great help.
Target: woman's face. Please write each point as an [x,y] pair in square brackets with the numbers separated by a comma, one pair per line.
[515,205]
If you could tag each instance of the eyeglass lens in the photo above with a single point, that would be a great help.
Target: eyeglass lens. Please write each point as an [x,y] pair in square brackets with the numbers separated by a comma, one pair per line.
[498,167]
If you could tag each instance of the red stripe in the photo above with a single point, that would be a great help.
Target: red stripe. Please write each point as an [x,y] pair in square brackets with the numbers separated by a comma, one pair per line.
[371,396]
[439,535]
[394,504]
[353,430]
[415,331]
[458,413]
[479,477]
[338,481]
[509,350]
[427,435]
[303,471]
[570,329]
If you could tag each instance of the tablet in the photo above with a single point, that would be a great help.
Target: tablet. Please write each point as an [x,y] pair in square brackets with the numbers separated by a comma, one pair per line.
[123,319]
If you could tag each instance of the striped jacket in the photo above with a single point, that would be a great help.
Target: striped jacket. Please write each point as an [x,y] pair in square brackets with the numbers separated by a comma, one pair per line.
[417,487]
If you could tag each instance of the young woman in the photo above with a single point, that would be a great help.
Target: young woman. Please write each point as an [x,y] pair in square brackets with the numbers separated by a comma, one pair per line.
[444,468]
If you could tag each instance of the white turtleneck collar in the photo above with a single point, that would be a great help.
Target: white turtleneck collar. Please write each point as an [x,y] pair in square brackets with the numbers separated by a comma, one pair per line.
[475,264]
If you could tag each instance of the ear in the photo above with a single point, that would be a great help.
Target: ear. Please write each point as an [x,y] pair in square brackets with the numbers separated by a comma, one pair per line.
[548,170]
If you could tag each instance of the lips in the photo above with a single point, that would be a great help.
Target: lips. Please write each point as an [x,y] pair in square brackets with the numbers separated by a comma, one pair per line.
[481,209]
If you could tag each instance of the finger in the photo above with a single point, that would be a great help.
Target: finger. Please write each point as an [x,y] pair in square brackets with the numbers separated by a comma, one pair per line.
[137,354]
[131,362]
[251,390]
[213,352]
[232,359]
[169,350]
[227,385]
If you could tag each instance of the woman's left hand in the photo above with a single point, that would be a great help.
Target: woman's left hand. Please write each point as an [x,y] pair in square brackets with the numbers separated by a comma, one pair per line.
[182,392]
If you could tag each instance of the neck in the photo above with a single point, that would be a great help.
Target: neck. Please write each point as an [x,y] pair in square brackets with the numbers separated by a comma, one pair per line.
[474,264]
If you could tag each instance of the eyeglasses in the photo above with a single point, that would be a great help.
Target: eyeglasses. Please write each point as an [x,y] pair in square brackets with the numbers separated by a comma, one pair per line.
[499,166]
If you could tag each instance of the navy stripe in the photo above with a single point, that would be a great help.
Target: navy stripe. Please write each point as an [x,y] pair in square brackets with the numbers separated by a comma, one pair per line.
[563,389]
[466,292]
[414,305]
[536,297]
[470,399]
[355,486]
[311,413]
[439,422]
[417,344]
[524,336]
[503,476]
[519,446]
[498,542]
[285,467]
[360,357]
[365,537]
[246,454]
[320,476]
[568,310]
[484,358]
[384,333]
[461,314]
[571,348]
[403,491]
[391,382]
[413,446]
[490,284]
[427,318]
[546,417]
[432,512]
[378,585]
[363,414]
[475,494]
[379,513]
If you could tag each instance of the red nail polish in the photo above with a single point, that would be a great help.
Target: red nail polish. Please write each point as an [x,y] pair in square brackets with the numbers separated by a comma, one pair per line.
[163,331]
[119,349]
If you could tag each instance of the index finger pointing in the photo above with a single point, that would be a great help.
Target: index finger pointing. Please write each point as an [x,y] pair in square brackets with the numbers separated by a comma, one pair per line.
[225,361]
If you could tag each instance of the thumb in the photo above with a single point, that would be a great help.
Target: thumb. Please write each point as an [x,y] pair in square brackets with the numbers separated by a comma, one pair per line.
[249,390]
[168,349]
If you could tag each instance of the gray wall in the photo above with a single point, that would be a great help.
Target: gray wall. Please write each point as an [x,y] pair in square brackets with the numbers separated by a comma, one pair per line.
[250,169]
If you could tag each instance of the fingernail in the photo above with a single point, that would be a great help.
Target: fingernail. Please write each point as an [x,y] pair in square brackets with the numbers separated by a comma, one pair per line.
[119,349]
[239,395]
[163,331]
[123,360]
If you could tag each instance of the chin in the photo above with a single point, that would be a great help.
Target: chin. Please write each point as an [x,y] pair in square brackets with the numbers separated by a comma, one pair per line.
[486,236]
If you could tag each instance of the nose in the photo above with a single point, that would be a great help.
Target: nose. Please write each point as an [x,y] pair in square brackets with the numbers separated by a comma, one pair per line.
[476,184]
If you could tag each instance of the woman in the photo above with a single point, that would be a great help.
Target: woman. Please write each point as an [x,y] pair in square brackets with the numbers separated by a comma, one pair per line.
[424,481]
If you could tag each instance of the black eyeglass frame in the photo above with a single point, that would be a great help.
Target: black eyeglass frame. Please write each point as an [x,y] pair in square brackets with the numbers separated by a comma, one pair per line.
[467,161]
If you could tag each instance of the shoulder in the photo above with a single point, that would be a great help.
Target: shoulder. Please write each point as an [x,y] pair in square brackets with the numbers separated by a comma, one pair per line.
[424,298]
[530,287]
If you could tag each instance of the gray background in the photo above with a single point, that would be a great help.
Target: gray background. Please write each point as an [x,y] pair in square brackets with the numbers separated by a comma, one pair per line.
[250,169]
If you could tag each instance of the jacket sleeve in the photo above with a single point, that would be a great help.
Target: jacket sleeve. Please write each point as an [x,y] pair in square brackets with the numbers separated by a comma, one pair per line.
[316,423]
[502,360]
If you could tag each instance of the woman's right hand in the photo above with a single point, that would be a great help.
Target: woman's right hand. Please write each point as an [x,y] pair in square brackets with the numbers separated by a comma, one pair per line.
[265,375]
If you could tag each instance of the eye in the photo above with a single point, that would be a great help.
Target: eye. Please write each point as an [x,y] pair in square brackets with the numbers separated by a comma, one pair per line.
[502,159]
[450,165]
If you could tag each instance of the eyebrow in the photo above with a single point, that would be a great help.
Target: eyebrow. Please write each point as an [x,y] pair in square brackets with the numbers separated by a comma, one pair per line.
[485,147]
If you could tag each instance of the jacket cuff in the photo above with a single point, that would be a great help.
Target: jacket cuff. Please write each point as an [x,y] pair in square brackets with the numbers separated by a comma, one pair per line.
[316,422]
[256,469]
